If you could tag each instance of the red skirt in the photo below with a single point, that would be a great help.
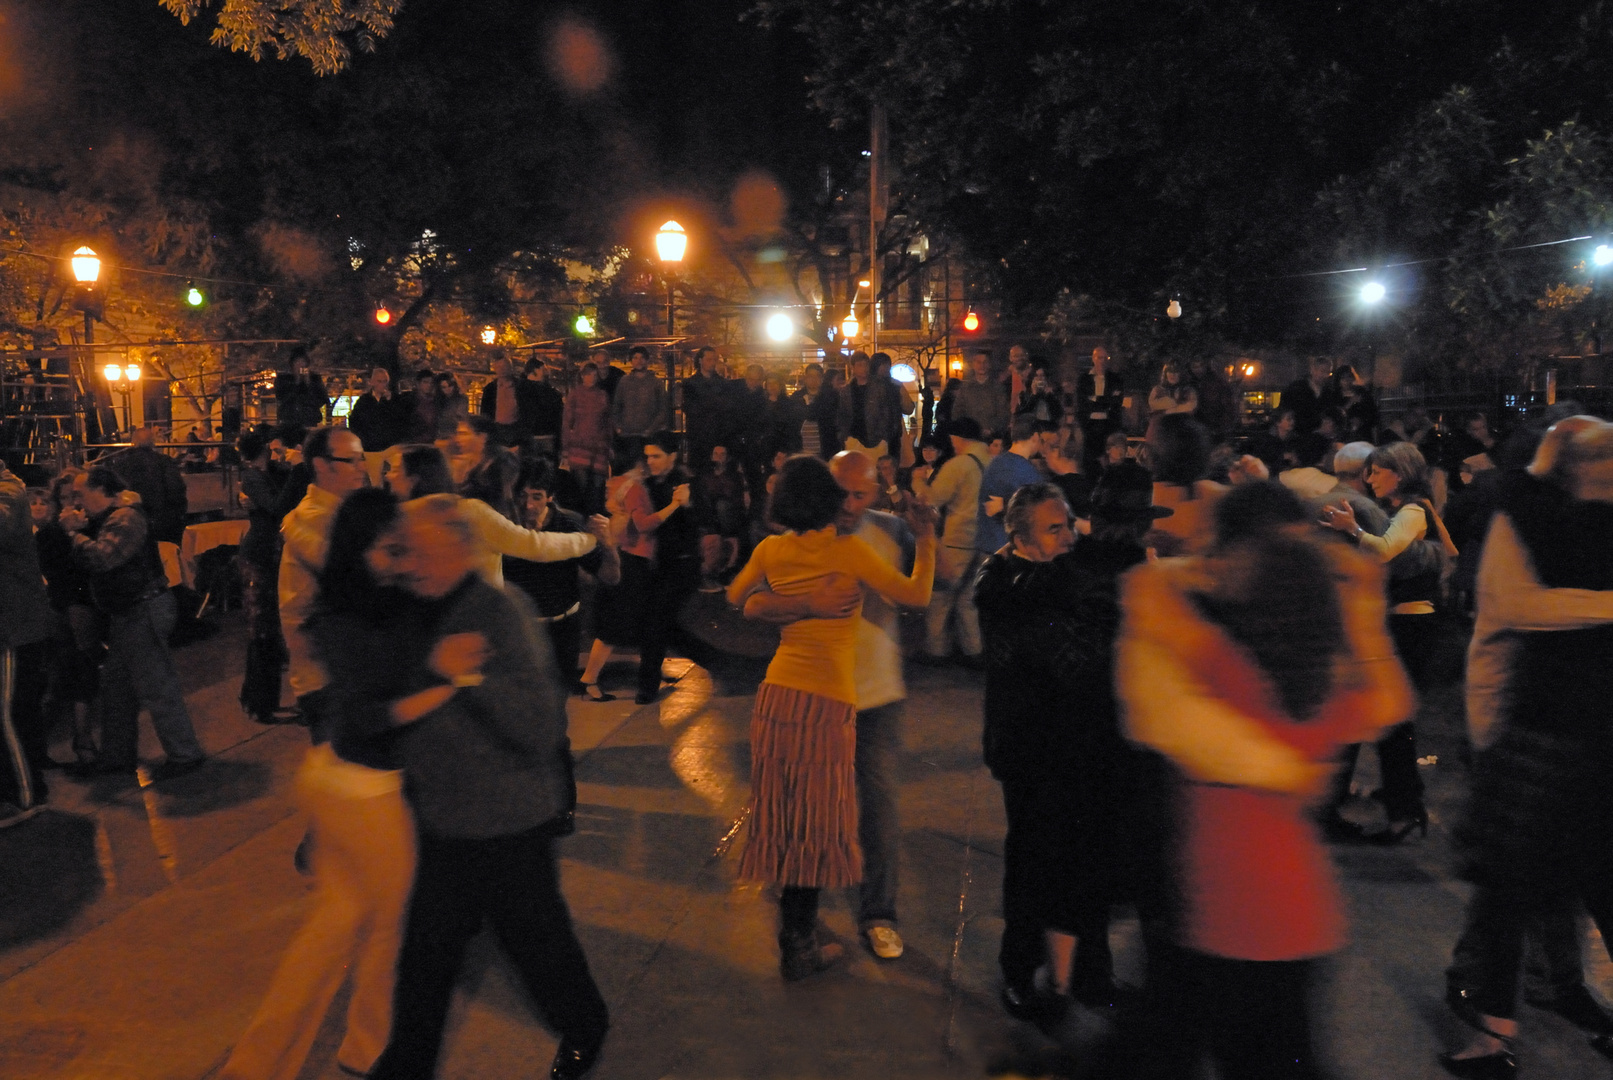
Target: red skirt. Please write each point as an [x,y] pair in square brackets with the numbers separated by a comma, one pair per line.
[803,822]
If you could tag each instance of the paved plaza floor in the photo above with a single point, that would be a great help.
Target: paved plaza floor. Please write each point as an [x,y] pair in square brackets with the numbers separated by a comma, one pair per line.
[140,924]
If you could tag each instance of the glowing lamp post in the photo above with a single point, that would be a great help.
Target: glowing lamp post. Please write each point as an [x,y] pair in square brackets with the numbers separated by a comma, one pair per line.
[86,266]
[849,327]
[122,379]
[489,335]
[670,244]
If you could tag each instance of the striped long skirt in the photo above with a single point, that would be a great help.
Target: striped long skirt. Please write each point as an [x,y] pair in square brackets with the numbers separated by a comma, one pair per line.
[803,824]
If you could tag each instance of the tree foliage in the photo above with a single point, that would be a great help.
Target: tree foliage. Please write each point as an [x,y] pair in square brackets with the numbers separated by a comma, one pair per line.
[1219,151]
[319,31]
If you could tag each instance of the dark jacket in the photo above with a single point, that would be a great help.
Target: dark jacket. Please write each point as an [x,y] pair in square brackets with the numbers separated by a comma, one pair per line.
[380,424]
[302,403]
[825,409]
[161,486]
[538,407]
[25,615]
[119,555]
[494,760]
[553,587]
[261,544]
[1100,413]
[881,419]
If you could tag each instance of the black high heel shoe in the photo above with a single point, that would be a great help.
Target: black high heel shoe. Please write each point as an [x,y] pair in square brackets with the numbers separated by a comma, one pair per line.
[1400,830]
[597,695]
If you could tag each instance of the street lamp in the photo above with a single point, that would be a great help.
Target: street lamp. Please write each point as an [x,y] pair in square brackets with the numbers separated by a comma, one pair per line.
[1603,255]
[780,327]
[86,266]
[849,326]
[1373,292]
[122,379]
[489,335]
[670,244]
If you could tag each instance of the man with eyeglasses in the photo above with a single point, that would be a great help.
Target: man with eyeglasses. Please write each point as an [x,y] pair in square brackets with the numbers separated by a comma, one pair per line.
[336,457]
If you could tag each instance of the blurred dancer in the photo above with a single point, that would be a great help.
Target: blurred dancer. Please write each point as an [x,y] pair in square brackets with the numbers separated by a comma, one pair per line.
[1538,827]
[803,826]
[485,752]
[1248,667]
[351,788]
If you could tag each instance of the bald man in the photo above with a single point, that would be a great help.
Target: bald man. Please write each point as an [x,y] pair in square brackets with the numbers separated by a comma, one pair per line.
[880,688]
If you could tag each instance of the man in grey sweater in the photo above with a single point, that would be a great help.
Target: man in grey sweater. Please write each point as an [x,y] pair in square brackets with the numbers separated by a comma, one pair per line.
[489,774]
[638,408]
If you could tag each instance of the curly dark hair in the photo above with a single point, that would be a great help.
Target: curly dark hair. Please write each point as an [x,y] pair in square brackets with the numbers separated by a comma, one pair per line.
[807,498]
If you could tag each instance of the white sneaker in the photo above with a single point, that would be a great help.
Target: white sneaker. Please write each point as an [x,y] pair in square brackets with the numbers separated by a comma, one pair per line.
[884,942]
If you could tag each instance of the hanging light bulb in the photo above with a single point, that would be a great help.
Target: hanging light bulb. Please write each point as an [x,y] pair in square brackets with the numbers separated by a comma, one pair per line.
[194,297]
[971,321]
[382,315]
[1174,309]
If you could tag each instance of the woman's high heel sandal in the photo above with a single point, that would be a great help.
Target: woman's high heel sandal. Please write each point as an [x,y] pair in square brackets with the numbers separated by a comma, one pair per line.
[592,692]
[1497,1066]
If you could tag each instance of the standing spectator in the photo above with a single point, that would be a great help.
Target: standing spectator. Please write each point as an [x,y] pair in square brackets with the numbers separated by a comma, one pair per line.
[452,406]
[742,430]
[1360,410]
[259,561]
[610,376]
[1039,401]
[554,587]
[778,427]
[424,402]
[803,828]
[1017,379]
[300,395]
[489,773]
[954,492]
[893,496]
[1312,396]
[1007,473]
[114,545]
[981,398]
[1173,393]
[25,628]
[585,437]
[335,458]
[880,692]
[157,479]
[818,410]
[1218,406]
[547,407]
[510,401]
[703,394]
[639,406]
[1273,445]
[379,420]
[1101,397]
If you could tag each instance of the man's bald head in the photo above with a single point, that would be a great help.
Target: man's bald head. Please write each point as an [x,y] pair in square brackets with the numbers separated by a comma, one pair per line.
[859,479]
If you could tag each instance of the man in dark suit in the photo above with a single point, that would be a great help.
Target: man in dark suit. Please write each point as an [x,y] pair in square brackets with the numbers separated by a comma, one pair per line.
[1100,396]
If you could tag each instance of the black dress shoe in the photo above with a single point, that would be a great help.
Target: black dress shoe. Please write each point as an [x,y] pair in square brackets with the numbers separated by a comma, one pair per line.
[574,1059]
[173,770]
[645,697]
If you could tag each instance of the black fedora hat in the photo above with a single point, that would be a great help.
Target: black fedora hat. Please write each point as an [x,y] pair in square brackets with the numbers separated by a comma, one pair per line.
[1126,495]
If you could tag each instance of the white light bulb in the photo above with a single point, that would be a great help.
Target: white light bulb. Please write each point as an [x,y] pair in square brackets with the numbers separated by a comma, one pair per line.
[1372,292]
[1602,255]
[780,327]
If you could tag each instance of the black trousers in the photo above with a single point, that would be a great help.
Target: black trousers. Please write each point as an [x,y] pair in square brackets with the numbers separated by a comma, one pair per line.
[798,915]
[29,720]
[1415,637]
[672,582]
[1498,919]
[265,647]
[1552,964]
[567,637]
[1037,896]
[514,884]
[1251,1017]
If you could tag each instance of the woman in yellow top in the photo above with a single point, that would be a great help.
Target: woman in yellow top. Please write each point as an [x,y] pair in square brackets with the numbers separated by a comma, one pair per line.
[803,733]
